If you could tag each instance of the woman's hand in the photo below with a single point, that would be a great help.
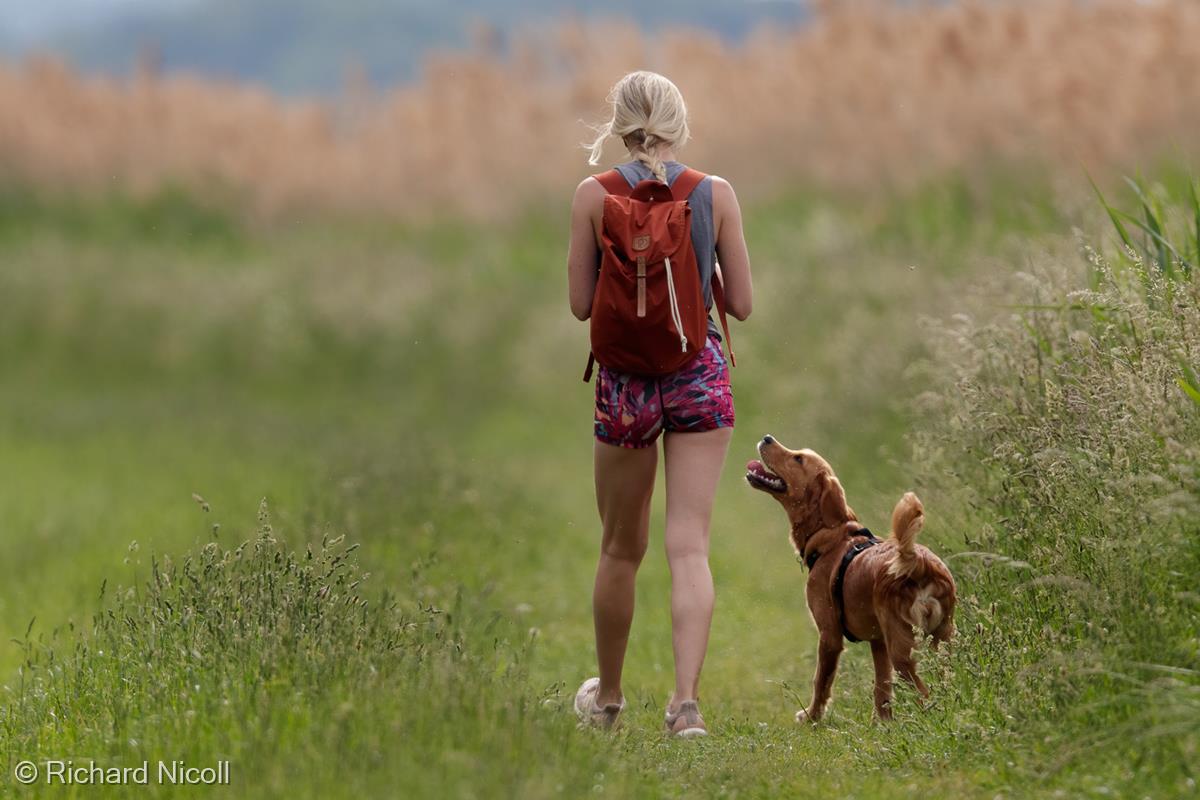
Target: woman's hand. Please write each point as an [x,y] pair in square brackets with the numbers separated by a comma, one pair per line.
[583,255]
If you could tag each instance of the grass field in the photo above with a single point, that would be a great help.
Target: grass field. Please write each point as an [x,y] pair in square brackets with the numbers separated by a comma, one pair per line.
[316,499]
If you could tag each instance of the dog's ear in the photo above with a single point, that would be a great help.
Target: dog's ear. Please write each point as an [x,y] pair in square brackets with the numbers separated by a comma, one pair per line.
[834,510]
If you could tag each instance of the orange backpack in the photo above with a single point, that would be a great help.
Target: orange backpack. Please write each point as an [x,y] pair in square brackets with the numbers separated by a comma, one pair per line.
[648,315]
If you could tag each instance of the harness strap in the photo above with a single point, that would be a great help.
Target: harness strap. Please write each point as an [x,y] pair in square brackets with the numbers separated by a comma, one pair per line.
[852,553]
[810,560]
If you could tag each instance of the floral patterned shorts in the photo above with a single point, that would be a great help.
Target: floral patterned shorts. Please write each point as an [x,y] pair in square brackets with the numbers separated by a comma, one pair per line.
[631,410]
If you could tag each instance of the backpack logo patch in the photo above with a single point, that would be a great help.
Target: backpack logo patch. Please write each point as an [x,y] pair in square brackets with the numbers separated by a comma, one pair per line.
[641,242]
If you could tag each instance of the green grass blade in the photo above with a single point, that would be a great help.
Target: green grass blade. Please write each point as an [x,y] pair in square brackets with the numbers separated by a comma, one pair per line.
[1188,381]
[1163,245]
[1188,389]
[1039,339]
[1112,215]
[1153,226]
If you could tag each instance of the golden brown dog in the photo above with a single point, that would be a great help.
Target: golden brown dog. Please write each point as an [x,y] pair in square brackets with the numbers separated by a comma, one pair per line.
[876,592]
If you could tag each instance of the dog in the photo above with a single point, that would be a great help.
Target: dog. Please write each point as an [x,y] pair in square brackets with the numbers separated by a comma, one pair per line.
[859,587]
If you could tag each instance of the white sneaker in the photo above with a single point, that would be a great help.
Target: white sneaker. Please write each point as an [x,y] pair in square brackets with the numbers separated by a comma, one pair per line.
[589,712]
[686,723]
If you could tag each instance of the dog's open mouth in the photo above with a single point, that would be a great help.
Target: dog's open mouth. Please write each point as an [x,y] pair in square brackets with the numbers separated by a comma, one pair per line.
[760,476]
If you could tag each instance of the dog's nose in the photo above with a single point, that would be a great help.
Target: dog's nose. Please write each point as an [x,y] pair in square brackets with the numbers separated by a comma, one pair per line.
[768,439]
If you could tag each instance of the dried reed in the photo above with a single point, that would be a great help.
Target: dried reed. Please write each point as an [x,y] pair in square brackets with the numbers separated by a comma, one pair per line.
[866,94]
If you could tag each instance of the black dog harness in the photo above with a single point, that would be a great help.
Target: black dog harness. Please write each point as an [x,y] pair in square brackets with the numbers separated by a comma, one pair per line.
[852,553]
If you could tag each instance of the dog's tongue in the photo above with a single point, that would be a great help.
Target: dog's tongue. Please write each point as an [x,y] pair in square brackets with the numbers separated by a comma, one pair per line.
[754,465]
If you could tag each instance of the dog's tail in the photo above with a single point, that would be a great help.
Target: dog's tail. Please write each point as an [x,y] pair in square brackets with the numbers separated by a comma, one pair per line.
[908,517]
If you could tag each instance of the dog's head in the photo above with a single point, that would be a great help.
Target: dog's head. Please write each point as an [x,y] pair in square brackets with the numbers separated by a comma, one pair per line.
[804,484]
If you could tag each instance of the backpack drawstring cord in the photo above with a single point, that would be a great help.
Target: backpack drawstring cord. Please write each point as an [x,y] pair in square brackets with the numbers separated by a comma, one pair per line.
[675,315]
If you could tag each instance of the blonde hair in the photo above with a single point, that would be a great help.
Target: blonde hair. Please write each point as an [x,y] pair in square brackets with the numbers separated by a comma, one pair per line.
[649,114]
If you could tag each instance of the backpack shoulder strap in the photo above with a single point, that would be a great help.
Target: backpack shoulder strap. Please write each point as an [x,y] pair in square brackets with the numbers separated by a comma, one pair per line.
[614,183]
[718,292]
[681,189]
[687,181]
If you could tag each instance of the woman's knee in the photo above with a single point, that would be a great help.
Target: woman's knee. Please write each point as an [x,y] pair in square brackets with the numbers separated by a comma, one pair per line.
[687,545]
[630,551]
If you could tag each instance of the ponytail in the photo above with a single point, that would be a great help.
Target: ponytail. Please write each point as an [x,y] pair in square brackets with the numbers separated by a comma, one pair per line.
[649,115]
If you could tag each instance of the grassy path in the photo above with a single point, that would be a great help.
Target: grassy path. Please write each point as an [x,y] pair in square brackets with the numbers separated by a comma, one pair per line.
[458,457]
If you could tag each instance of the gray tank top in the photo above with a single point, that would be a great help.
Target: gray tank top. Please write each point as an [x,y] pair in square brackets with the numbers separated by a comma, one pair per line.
[703,233]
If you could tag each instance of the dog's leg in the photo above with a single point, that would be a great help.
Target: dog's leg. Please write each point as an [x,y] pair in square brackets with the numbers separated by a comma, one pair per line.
[828,653]
[883,679]
[900,641]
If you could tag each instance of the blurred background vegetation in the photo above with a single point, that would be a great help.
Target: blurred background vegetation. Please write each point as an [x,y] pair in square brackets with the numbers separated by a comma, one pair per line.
[306,46]
[342,289]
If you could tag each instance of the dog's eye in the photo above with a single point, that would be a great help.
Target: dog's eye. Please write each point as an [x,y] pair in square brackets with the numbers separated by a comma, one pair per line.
[799,459]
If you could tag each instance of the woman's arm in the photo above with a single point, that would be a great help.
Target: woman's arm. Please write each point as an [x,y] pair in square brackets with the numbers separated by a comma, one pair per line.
[583,256]
[731,250]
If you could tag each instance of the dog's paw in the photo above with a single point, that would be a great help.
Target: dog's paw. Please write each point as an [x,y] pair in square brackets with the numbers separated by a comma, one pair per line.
[802,716]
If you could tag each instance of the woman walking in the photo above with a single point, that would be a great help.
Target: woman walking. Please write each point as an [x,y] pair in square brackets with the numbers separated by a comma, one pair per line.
[692,408]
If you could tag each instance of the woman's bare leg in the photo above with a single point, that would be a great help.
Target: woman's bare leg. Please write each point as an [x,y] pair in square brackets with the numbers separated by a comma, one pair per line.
[624,485]
[693,467]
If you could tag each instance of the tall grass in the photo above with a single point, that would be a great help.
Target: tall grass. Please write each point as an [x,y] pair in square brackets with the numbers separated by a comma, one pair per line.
[271,657]
[868,94]
[1065,430]
[1151,236]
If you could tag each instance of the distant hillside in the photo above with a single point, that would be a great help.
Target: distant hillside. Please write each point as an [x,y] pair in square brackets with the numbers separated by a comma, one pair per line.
[306,45]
